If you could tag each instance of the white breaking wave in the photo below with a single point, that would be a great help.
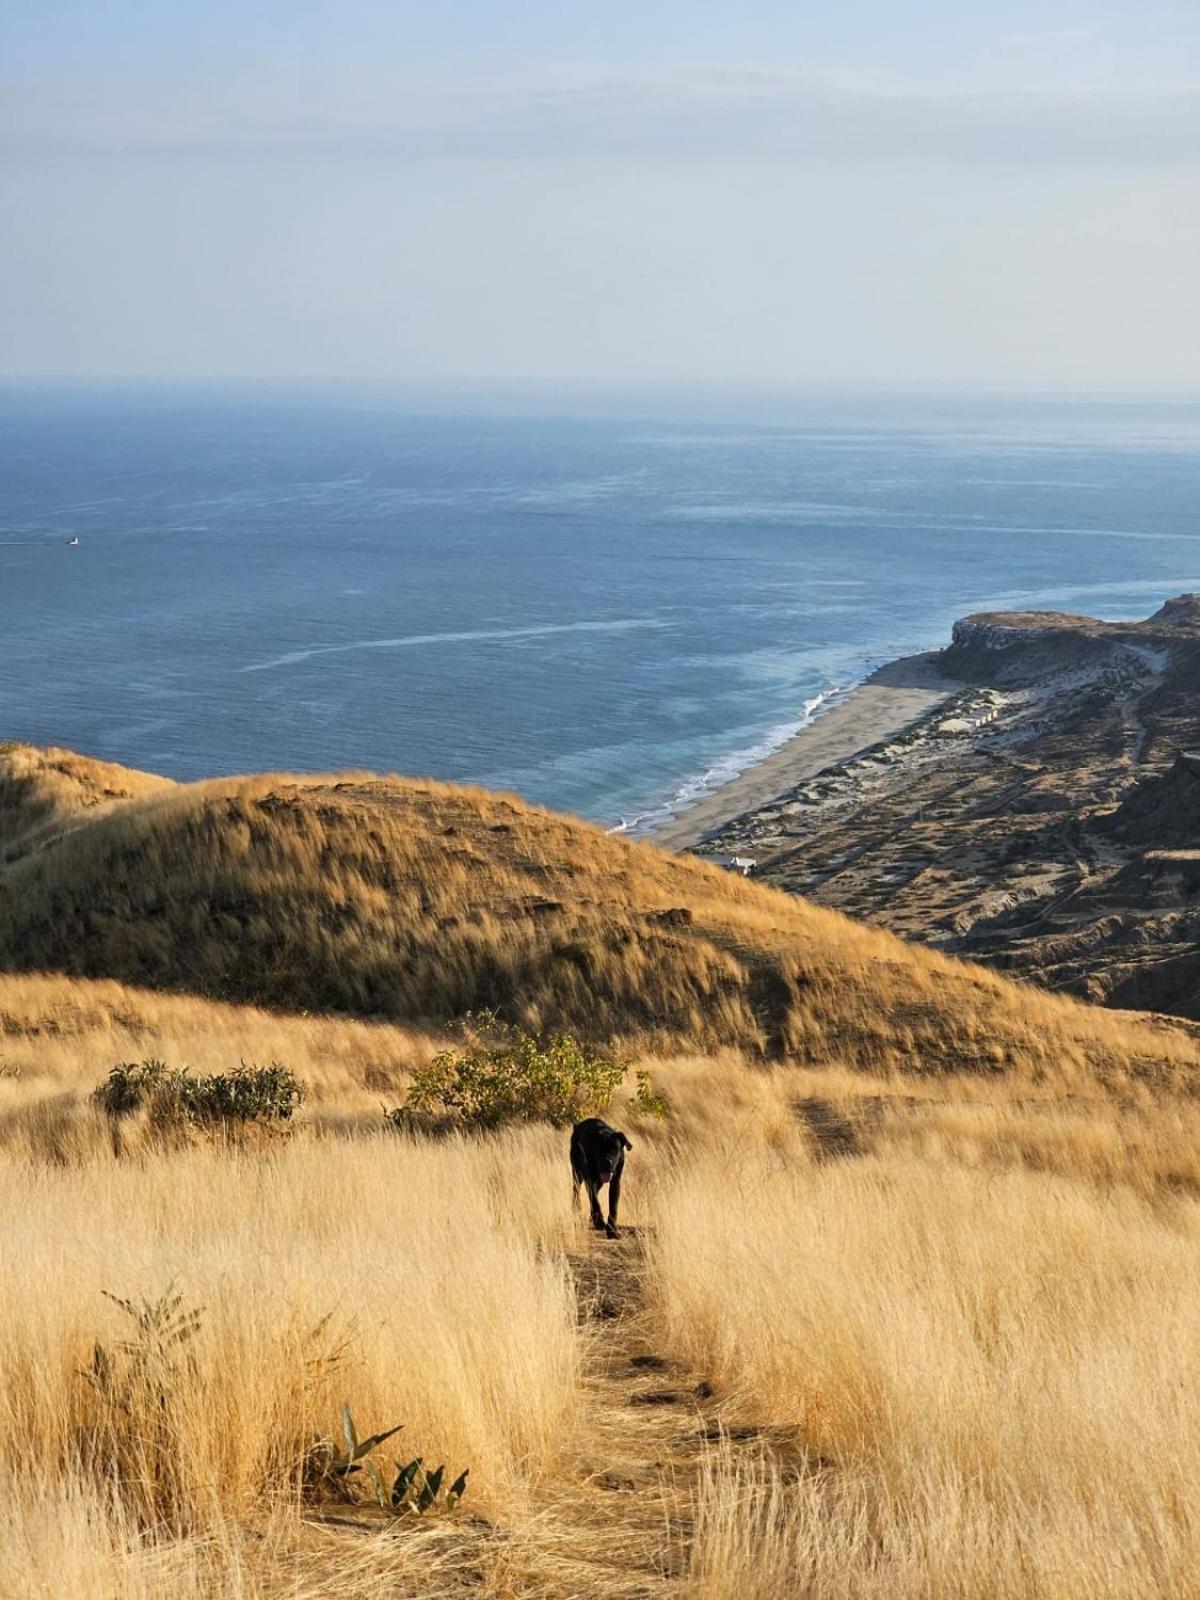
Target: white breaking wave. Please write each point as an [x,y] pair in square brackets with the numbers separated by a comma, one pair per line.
[738,761]
[618,625]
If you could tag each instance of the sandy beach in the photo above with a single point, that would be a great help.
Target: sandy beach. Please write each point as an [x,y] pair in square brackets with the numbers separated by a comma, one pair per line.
[885,703]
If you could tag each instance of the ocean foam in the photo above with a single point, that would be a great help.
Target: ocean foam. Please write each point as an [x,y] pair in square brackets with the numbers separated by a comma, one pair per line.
[618,625]
[738,761]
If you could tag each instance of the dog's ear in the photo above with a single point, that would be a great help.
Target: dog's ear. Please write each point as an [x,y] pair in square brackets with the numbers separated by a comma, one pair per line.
[624,1141]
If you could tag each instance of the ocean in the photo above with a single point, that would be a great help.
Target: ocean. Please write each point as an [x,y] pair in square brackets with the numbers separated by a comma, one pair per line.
[607,602]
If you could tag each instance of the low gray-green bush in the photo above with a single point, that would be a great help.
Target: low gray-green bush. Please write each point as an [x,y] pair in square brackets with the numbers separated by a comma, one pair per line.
[173,1096]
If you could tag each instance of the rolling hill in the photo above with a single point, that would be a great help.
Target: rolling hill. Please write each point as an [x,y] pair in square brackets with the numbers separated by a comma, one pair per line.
[413,902]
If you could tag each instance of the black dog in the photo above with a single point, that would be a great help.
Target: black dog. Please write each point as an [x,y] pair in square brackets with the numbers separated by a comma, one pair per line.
[597,1158]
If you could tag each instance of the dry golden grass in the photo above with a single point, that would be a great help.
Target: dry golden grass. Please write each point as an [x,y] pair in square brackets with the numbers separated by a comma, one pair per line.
[988,1386]
[966,1332]
[69,1544]
[416,902]
[59,1037]
[415,1281]
[915,1259]
[45,791]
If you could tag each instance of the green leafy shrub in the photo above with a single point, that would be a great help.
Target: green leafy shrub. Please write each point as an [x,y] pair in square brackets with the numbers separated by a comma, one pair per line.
[647,1099]
[172,1096]
[508,1075]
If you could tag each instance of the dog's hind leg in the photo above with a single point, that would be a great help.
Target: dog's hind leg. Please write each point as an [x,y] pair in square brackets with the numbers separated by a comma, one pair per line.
[577,1172]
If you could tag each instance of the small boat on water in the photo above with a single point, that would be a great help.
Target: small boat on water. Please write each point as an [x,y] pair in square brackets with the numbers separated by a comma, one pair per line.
[74,539]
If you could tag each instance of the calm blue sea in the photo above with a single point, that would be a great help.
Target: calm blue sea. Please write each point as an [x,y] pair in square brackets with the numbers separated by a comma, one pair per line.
[605,602]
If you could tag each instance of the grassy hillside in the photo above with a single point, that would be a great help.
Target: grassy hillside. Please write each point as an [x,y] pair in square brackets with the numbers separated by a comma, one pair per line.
[59,1036]
[415,902]
[906,1299]
[44,791]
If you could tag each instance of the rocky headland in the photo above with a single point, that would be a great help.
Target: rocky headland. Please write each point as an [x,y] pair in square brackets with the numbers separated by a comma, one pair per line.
[1044,818]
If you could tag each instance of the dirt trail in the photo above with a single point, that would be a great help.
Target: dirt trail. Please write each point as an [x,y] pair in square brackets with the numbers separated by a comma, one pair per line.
[615,1523]
[621,1515]
[619,1526]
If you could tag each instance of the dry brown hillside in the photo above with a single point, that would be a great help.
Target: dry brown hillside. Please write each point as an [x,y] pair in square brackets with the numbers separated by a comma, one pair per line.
[43,791]
[415,902]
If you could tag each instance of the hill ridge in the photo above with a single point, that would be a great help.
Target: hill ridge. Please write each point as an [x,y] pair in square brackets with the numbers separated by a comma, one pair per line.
[414,902]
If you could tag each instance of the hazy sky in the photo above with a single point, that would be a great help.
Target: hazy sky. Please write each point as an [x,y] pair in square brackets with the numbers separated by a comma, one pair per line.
[990,191]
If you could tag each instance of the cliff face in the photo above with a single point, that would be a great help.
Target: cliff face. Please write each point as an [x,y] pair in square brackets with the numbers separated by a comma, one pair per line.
[1057,838]
[1024,648]
[1163,810]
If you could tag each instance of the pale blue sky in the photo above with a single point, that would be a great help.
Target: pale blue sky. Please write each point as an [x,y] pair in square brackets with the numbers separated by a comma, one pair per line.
[986,193]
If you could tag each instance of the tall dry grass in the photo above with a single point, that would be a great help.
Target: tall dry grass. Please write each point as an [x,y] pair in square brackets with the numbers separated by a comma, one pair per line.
[986,1381]
[969,1348]
[72,1542]
[414,1281]
[45,791]
[60,1036]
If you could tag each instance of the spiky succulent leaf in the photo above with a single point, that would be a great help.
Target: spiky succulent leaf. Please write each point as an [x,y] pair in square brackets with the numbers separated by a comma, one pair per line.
[376,1439]
[429,1492]
[457,1489]
[405,1477]
[377,1484]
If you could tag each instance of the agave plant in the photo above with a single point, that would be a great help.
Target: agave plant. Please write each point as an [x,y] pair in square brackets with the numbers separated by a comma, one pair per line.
[329,1465]
[414,1489]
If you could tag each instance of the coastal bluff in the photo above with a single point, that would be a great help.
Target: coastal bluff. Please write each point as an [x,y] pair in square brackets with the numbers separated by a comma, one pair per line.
[1023,647]
[1045,819]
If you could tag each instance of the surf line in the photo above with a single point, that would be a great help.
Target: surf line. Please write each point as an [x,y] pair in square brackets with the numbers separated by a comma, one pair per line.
[740,761]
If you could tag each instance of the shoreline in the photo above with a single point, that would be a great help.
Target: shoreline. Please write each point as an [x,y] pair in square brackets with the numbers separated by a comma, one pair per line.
[883,704]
